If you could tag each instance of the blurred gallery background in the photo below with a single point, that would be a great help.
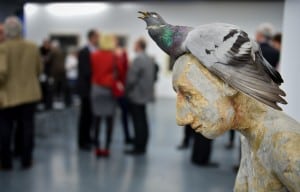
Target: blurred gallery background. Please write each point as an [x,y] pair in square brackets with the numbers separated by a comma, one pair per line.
[86,127]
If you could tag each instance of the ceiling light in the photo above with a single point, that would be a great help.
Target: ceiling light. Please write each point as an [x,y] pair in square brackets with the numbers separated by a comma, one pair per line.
[30,8]
[76,9]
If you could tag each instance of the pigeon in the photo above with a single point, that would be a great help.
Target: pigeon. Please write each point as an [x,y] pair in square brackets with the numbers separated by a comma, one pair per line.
[226,51]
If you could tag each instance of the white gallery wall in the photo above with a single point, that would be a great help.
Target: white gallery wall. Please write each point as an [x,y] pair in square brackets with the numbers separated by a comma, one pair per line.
[290,62]
[121,18]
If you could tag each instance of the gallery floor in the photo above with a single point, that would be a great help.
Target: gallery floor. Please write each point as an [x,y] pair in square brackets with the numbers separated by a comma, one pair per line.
[60,167]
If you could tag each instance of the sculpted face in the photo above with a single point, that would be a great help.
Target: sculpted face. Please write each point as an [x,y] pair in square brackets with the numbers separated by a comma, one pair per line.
[203,101]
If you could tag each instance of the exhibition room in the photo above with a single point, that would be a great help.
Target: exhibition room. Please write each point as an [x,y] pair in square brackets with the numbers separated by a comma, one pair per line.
[150,95]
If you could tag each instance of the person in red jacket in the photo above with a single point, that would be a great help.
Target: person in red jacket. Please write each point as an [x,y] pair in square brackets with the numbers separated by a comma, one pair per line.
[103,102]
[122,59]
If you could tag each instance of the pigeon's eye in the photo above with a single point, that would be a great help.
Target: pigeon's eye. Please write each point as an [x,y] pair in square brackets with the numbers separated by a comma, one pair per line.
[154,15]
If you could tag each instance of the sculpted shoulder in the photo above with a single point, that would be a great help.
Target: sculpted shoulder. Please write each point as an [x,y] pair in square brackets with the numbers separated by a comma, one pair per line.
[286,157]
[286,144]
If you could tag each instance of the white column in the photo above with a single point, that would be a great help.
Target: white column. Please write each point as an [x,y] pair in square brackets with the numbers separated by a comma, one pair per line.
[290,61]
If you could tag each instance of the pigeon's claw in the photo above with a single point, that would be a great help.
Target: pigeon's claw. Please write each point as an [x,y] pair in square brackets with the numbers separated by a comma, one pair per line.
[143,14]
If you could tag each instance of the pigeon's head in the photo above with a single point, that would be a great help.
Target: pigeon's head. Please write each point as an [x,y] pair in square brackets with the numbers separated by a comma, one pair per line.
[152,19]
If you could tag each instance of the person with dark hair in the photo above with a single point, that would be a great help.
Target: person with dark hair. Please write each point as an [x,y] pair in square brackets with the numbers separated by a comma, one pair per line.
[142,44]
[140,91]
[276,41]
[276,44]
[84,90]
[20,67]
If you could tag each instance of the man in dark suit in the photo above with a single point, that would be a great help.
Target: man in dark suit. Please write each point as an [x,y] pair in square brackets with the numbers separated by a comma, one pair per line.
[84,87]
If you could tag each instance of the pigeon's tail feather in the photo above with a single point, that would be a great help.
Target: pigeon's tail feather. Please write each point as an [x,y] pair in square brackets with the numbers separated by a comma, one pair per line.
[269,69]
[267,97]
[251,80]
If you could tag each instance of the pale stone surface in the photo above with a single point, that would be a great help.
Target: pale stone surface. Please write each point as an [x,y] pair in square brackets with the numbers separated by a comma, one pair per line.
[270,142]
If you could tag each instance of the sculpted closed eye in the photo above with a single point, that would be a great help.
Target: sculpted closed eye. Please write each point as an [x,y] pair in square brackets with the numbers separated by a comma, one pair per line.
[186,94]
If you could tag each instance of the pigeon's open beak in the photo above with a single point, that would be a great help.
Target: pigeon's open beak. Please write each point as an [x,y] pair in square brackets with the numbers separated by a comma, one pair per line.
[143,15]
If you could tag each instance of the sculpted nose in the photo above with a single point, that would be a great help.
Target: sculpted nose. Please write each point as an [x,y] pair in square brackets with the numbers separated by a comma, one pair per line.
[183,114]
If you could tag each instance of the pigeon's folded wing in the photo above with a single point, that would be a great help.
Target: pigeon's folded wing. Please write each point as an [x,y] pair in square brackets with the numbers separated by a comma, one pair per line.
[273,73]
[251,80]
[230,56]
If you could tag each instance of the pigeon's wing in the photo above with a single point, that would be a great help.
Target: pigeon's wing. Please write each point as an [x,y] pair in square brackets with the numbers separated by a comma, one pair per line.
[269,69]
[227,52]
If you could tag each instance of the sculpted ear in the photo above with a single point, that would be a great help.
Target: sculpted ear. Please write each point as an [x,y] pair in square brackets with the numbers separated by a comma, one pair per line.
[228,90]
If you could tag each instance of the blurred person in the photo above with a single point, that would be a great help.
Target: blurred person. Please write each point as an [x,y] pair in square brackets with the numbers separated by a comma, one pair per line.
[122,59]
[263,36]
[230,143]
[201,148]
[187,136]
[276,41]
[84,90]
[58,73]
[140,91]
[2,36]
[45,51]
[237,165]
[201,151]
[276,44]
[20,66]
[103,101]
[156,71]
[71,67]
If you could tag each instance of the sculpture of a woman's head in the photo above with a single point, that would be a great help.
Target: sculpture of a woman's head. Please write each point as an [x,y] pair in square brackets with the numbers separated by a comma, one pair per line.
[203,100]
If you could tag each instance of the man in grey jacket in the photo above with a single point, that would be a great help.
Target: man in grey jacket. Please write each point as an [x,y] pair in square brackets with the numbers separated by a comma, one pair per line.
[140,91]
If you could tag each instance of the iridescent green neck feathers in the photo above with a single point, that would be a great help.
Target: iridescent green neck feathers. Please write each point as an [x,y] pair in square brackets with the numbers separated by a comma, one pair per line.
[167,37]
